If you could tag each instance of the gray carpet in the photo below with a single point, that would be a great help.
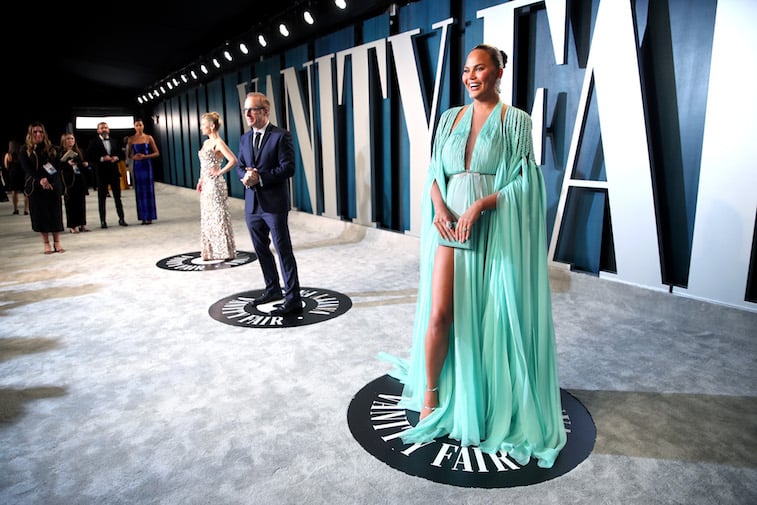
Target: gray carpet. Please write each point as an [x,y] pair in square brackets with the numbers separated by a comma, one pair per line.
[117,387]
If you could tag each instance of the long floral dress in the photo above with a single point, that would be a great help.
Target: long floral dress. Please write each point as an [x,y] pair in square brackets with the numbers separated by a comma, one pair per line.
[216,231]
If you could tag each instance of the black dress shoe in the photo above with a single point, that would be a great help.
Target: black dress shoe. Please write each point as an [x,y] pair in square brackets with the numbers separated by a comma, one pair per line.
[288,307]
[268,296]
[121,222]
[103,224]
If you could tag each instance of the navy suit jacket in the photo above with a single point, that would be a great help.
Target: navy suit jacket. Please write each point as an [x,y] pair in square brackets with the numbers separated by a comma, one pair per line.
[275,166]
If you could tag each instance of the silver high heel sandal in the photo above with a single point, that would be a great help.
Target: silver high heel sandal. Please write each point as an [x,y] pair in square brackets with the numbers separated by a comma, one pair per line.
[431,390]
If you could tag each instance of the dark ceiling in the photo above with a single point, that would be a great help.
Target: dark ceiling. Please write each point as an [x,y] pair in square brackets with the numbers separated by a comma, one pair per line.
[101,56]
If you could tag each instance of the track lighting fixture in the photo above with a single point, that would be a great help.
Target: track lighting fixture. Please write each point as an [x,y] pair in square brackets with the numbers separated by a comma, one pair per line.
[287,26]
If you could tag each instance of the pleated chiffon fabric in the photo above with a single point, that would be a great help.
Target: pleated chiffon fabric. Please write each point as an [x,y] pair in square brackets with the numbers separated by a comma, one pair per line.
[499,386]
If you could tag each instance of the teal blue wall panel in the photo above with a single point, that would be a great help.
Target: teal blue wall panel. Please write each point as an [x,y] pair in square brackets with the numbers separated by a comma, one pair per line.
[674,49]
[384,113]
[177,137]
[232,123]
[194,136]
[296,58]
[329,45]
[422,15]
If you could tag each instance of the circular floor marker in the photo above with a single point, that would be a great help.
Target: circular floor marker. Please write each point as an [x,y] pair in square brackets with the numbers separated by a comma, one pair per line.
[318,305]
[193,262]
[376,422]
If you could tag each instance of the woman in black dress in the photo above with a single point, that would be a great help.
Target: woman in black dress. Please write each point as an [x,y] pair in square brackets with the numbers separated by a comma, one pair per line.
[15,175]
[39,159]
[73,170]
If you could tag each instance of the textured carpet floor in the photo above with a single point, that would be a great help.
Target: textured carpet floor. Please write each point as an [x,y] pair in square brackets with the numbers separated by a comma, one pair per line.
[117,387]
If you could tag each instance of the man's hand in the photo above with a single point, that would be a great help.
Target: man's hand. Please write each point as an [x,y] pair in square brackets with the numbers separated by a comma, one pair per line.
[251,177]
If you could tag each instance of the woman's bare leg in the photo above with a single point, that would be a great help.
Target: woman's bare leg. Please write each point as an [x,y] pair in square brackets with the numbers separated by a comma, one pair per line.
[440,320]
[46,241]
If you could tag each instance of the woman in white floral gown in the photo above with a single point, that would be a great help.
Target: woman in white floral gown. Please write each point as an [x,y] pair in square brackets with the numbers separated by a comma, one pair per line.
[216,232]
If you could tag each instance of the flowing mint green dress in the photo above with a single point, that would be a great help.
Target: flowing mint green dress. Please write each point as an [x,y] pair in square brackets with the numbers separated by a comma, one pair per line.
[499,386]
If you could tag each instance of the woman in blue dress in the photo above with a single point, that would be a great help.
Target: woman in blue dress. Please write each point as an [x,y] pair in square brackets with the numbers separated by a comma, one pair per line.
[141,149]
[482,367]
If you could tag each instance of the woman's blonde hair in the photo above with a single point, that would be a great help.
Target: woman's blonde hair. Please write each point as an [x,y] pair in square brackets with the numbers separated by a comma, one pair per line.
[214,118]
[47,146]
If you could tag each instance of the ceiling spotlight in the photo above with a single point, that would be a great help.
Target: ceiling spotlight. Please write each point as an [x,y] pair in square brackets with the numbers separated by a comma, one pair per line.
[216,63]
[341,4]
[139,99]
[163,90]
[227,55]
[262,41]
[184,77]
[193,74]
[170,86]
[175,81]
[308,17]
[284,30]
[204,68]
[243,48]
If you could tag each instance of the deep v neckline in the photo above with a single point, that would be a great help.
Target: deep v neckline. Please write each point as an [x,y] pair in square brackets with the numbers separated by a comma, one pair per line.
[466,122]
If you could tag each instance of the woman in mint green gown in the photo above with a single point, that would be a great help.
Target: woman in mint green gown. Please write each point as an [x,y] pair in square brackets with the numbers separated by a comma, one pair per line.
[483,366]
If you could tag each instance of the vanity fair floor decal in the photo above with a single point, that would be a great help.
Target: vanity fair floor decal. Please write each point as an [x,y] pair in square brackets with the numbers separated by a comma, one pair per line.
[377,422]
[193,262]
[317,305]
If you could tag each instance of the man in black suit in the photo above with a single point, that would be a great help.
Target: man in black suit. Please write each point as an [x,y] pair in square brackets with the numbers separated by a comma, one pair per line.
[103,152]
[266,162]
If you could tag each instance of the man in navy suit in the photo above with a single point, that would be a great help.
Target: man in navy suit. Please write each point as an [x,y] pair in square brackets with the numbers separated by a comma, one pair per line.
[266,162]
